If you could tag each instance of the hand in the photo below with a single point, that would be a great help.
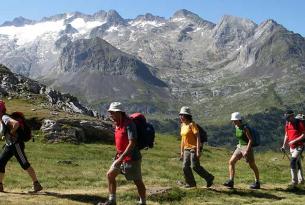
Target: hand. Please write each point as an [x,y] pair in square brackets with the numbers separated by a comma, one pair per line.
[181,156]
[283,149]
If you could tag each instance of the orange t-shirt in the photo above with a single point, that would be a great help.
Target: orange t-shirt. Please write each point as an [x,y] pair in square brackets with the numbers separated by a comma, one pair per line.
[188,135]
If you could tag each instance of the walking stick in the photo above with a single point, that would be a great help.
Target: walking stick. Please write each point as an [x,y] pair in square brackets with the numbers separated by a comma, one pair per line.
[285,154]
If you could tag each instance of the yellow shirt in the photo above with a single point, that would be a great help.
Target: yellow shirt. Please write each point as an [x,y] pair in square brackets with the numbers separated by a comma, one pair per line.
[188,135]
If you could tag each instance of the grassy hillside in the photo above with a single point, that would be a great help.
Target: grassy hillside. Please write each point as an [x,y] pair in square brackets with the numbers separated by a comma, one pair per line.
[75,174]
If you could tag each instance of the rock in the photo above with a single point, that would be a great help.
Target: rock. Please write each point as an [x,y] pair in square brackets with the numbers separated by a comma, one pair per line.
[76,131]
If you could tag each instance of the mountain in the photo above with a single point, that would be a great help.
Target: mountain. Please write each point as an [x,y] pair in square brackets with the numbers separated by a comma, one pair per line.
[160,64]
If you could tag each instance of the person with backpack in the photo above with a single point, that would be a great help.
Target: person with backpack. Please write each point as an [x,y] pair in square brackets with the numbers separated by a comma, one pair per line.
[190,150]
[128,157]
[14,147]
[294,137]
[244,149]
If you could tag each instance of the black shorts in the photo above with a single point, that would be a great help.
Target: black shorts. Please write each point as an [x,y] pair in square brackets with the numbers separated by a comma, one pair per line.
[16,150]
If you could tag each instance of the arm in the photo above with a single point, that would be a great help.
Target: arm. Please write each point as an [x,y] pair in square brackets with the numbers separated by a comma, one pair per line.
[181,148]
[301,137]
[198,153]
[13,126]
[284,142]
[250,140]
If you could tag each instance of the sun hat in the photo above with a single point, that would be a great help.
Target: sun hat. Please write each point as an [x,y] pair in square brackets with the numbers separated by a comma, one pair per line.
[116,107]
[235,116]
[185,111]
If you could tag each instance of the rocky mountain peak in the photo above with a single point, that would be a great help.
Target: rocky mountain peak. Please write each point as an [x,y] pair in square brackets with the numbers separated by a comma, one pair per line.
[114,18]
[18,22]
[192,17]
[149,17]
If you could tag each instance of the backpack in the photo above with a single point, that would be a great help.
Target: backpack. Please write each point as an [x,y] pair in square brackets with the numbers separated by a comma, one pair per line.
[203,134]
[255,136]
[145,131]
[24,132]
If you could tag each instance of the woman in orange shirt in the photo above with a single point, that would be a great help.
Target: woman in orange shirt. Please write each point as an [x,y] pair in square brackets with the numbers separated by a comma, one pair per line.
[190,150]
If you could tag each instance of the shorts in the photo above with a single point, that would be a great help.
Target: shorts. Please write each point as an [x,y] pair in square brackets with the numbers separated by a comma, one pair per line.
[241,150]
[131,170]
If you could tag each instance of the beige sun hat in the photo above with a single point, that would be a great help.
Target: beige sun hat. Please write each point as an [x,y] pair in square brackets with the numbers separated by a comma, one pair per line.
[185,111]
[116,107]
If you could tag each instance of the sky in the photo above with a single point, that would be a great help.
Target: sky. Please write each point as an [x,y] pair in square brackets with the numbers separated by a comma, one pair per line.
[289,13]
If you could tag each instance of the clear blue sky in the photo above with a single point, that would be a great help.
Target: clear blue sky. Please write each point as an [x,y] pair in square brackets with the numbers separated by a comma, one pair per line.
[289,13]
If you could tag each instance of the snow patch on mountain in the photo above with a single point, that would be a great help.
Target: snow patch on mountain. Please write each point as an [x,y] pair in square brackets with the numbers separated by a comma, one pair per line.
[85,26]
[29,33]
[140,24]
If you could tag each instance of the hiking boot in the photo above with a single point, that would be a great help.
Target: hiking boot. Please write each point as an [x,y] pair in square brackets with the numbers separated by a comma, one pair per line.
[255,185]
[229,183]
[1,187]
[210,181]
[187,186]
[37,187]
[107,203]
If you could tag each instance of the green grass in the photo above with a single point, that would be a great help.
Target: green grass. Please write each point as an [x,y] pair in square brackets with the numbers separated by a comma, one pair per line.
[83,181]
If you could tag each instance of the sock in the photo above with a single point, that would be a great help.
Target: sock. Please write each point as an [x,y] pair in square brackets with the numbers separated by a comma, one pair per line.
[112,197]
[142,200]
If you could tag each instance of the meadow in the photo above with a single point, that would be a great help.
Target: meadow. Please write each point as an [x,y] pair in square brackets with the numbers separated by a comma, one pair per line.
[75,174]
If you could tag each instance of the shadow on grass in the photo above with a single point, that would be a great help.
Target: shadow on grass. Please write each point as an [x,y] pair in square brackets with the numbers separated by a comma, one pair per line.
[85,198]
[297,191]
[248,193]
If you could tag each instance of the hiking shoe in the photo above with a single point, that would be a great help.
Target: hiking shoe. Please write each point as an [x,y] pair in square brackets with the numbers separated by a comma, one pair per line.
[210,181]
[255,185]
[187,186]
[107,203]
[229,183]
[1,187]
[37,187]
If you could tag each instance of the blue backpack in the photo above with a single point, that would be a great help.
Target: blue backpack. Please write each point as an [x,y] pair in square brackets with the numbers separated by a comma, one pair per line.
[255,136]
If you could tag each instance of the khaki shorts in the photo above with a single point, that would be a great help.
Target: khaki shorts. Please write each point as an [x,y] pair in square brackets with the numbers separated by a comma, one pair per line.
[131,170]
[241,150]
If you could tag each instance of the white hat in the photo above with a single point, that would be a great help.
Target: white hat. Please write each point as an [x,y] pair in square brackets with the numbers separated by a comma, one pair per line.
[116,107]
[235,116]
[185,111]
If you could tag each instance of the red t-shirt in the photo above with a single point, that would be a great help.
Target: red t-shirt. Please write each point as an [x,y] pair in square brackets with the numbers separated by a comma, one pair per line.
[294,132]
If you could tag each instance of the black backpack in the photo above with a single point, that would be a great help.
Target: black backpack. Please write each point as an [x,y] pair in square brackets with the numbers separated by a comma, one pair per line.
[24,132]
[203,134]
[145,131]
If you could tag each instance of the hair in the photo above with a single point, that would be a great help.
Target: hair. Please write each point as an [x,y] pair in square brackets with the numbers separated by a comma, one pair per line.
[188,117]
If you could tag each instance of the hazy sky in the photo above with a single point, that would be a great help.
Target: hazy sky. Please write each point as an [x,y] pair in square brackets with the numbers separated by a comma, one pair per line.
[289,13]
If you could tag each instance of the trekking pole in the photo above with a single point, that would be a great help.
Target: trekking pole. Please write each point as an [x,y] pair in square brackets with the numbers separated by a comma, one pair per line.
[285,154]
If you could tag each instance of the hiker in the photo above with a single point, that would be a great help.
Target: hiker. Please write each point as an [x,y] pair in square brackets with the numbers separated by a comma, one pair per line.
[294,136]
[14,147]
[244,150]
[128,157]
[190,150]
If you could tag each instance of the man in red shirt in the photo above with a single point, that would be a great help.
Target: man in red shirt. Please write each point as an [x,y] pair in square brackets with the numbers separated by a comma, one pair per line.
[128,157]
[294,137]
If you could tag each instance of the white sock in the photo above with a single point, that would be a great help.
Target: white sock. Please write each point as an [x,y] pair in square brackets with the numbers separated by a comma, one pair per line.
[112,197]
[142,201]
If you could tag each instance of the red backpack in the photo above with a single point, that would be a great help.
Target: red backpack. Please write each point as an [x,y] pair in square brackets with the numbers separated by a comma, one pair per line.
[145,131]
